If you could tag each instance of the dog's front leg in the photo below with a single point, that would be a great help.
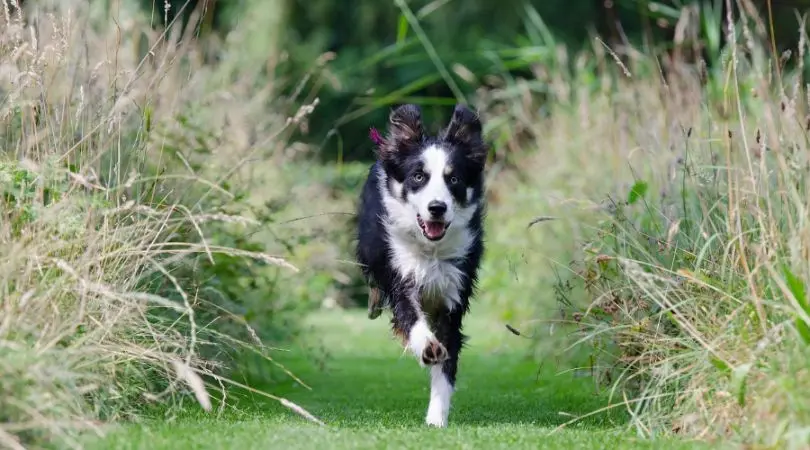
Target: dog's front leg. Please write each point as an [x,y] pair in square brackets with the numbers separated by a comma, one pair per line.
[411,325]
[443,376]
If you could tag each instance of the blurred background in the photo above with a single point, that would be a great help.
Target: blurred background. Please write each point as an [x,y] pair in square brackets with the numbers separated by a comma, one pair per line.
[364,56]
[349,63]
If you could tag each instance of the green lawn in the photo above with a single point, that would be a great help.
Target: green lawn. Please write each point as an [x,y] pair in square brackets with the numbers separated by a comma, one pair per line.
[371,395]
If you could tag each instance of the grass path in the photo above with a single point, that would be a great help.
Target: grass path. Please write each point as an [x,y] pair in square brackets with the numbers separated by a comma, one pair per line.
[371,395]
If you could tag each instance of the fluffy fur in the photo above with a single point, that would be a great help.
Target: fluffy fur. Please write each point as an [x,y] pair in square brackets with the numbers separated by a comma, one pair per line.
[420,238]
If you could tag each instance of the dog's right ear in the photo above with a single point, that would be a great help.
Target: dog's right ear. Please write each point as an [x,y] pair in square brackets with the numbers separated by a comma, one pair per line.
[405,131]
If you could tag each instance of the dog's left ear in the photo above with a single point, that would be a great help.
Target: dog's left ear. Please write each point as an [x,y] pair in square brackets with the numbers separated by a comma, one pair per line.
[464,130]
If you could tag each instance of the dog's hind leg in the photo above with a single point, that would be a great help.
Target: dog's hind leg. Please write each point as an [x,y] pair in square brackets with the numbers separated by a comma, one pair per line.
[443,376]
[375,305]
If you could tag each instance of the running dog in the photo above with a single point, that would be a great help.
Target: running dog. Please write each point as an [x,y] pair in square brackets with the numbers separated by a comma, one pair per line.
[420,238]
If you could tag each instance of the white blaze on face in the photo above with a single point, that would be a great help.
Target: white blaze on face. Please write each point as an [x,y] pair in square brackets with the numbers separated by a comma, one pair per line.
[435,163]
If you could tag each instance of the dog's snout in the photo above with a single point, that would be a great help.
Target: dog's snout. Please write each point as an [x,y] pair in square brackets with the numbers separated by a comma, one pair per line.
[437,208]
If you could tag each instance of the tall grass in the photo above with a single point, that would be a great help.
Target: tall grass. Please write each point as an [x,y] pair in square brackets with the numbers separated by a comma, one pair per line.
[687,190]
[122,173]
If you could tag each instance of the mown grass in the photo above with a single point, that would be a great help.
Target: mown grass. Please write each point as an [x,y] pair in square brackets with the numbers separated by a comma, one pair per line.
[371,396]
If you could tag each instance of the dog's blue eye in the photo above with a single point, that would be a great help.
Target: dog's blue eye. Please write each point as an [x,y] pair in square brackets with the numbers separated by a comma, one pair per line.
[418,177]
[453,180]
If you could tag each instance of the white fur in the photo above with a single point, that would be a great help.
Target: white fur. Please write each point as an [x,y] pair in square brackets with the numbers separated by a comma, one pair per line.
[419,337]
[441,392]
[428,262]
[435,161]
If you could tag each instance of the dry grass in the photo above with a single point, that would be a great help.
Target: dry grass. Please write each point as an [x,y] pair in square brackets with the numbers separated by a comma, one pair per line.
[688,191]
[105,214]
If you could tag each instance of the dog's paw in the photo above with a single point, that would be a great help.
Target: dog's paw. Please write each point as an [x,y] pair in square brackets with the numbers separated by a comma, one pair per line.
[434,353]
[436,420]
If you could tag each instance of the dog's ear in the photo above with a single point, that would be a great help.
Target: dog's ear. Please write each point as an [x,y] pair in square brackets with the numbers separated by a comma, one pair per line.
[405,131]
[465,130]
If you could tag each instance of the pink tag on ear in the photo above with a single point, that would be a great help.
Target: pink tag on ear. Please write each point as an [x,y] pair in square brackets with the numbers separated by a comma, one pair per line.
[374,135]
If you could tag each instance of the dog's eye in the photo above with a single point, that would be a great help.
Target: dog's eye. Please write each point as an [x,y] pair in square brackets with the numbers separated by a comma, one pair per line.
[418,177]
[453,180]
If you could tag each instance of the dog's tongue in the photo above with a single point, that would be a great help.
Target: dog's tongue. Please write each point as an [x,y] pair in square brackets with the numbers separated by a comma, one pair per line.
[434,229]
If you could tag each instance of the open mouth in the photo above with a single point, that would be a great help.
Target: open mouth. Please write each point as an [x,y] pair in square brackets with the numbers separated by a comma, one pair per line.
[432,230]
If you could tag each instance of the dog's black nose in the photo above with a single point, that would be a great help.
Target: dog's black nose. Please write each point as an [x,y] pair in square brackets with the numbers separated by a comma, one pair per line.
[437,208]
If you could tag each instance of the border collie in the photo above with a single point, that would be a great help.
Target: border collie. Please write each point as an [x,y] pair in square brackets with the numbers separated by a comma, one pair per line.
[420,238]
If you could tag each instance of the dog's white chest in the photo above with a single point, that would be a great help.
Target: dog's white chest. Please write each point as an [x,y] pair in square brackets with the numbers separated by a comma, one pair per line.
[438,280]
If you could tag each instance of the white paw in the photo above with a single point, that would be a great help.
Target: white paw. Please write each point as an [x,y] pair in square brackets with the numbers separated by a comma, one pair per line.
[436,420]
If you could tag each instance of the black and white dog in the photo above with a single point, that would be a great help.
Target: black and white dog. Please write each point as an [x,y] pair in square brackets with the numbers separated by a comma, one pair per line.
[420,238]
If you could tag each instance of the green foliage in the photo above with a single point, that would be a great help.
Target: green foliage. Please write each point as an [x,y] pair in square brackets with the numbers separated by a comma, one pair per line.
[27,194]
[383,58]
[638,191]
[215,14]
[359,59]
[18,188]
[796,286]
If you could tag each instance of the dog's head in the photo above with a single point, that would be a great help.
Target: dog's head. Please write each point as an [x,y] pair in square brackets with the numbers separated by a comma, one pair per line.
[435,181]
